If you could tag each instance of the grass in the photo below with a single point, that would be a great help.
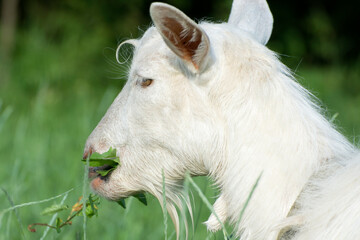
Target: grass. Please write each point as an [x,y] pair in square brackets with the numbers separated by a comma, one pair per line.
[53,218]
[44,160]
[165,213]
[207,203]
[55,98]
[47,162]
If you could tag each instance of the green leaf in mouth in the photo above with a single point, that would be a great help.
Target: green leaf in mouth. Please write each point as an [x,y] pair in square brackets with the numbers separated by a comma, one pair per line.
[141,197]
[108,159]
[121,202]
[103,173]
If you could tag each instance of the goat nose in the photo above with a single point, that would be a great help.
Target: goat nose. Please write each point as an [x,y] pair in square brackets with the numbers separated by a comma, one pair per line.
[88,152]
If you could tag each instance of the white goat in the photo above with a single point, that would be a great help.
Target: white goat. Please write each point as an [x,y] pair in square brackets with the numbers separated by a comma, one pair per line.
[212,100]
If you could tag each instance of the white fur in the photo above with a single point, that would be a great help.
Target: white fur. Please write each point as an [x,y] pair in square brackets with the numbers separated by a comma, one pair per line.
[253,16]
[237,116]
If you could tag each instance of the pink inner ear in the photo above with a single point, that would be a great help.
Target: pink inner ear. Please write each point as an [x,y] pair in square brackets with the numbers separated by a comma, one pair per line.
[186,41]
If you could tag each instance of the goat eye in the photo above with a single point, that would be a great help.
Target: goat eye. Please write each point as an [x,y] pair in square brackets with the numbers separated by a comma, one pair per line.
[145,82]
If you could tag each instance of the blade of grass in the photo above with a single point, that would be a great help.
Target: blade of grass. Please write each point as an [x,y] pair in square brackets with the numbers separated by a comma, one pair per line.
[248,200]
[1,221]
[185,202]
[199,211]
[209,236]
[173,234]
[333,118]
[8,225]
[16,213]
[4,116]
[32,203]
[53,219]
[164,204]
[123,224]
[207,203]
[84,194]
[128,207]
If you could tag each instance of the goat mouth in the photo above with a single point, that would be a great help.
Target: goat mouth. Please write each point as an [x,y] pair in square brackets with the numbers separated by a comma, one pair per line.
[93,172]
[101,165]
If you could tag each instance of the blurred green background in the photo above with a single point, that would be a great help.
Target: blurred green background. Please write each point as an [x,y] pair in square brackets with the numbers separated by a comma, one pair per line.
[58,75]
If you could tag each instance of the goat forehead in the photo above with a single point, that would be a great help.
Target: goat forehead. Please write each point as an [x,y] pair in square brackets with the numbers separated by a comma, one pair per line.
[148,66]
[152,44]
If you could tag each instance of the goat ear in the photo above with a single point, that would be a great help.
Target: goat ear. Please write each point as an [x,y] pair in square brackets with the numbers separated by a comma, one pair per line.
[253,16]
[182,35]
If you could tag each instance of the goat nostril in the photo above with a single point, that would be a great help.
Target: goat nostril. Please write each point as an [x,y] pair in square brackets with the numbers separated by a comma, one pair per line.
[88,153]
